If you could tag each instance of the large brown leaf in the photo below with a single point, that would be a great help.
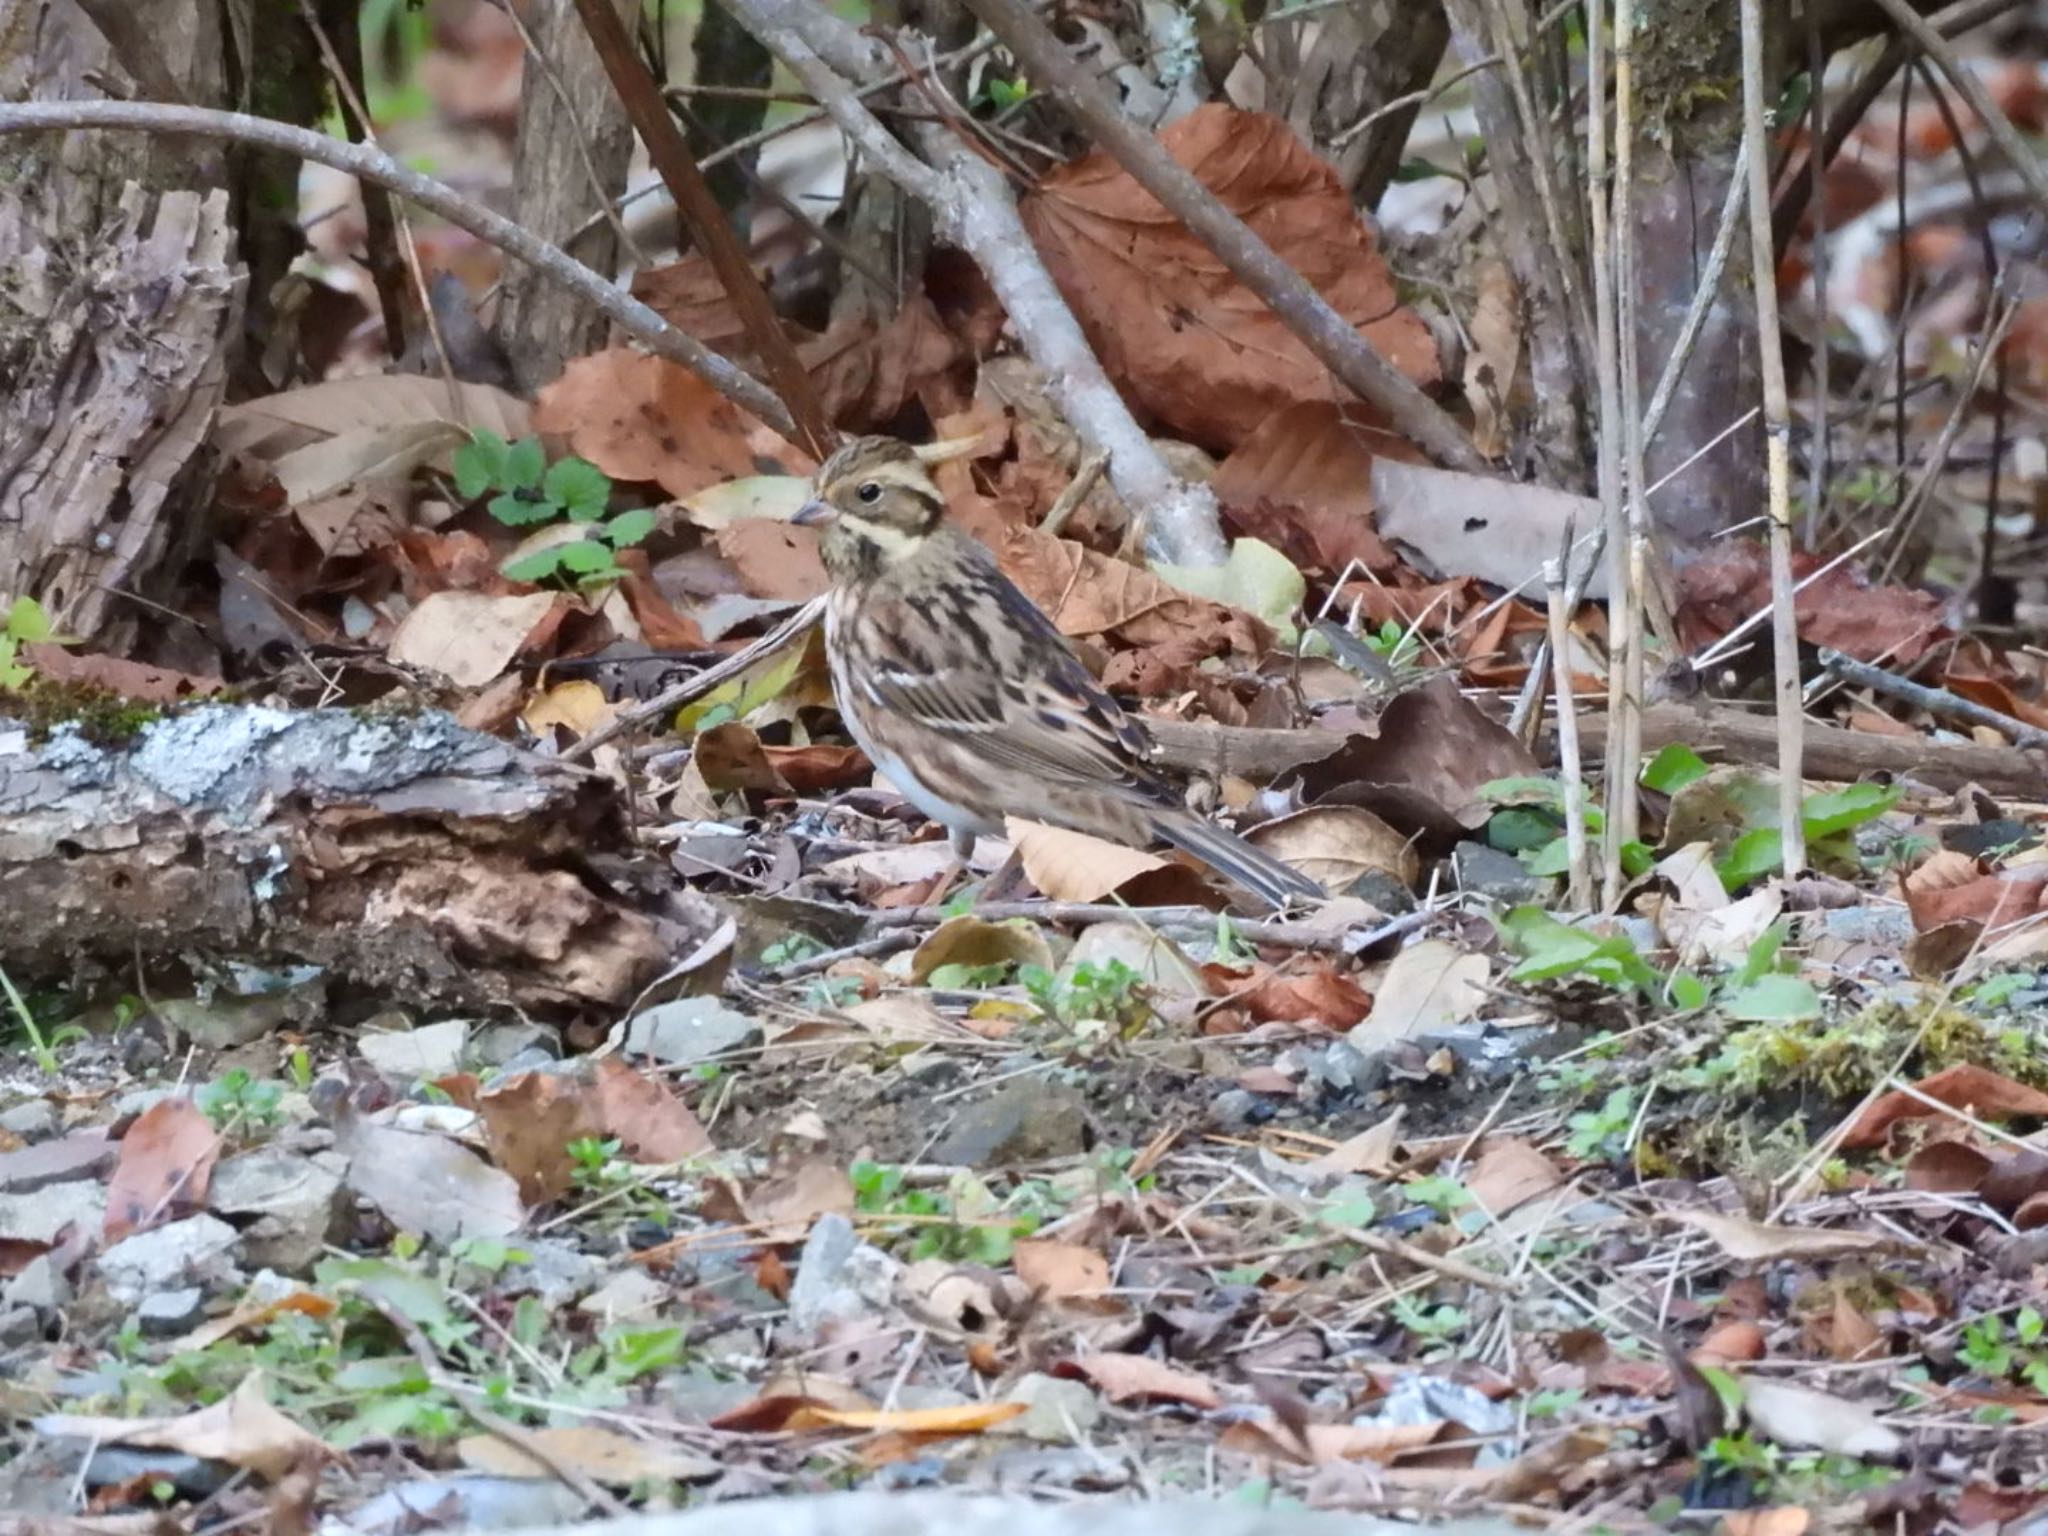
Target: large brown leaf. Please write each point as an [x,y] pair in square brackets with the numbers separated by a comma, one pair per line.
[1194,347]
[1087,594]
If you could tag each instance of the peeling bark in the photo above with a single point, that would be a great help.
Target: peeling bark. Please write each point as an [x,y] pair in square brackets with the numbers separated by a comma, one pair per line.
[402,855]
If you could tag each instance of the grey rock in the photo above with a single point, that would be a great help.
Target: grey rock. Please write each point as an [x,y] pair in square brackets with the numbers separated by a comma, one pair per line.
[1339,1068]
[83,1156]
[432,1050]
[293,1199]
[225,1021]
[40,1285]
[471,1503]
[629,1295]
[166,1314]
[139,1101]
[34,1120]
[196,1251]
[1484,871]
[1060,1412]
[1029,1119]
[41,1216]
[19,1325]
[556,1273]
[498,1045]
[533,1059]
[192,1477]
[1235,1108]
[689,1030]
[838,1276]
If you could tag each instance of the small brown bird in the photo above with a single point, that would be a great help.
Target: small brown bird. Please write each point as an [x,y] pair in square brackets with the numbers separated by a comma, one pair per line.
[962,692]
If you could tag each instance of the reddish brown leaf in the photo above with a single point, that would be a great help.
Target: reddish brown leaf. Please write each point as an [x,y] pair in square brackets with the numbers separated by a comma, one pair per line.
[1318,997]
[1947,1167]
[1140,1378]
[644,418]
[865,373]
[166,1163]
[1191,344]
[1895,625]
[530,1122]
[730,757]
[773,560]
[1089,595]
[689,295]
[652,1125]
[1948,889]
[816,769]
[115,674]
[1977,1091]
[1303,482]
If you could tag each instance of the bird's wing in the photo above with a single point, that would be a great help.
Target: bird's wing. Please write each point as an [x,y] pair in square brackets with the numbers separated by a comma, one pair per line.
[1017,694]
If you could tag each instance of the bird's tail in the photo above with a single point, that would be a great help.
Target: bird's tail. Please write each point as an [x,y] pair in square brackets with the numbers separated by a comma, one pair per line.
[1276,883]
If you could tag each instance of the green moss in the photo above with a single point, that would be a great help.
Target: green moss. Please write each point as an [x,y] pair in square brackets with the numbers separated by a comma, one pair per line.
[1688,73]
[105,719]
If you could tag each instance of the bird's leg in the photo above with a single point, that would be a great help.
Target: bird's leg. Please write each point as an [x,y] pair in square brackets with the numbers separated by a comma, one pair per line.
[963,849]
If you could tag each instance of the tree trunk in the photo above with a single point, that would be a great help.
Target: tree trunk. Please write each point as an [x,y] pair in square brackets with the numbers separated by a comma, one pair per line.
[573,149]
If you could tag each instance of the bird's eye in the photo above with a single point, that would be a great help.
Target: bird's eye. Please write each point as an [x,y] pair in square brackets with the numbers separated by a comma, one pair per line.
[870,492]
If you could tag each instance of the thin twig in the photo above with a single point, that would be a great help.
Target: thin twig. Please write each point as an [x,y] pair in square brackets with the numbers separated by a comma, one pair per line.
[1327,334]
[788,632]
[1626,598]
[1936,701]
[360,160]
[2015,149]
[1580,864]
[1777,448]
[707,223]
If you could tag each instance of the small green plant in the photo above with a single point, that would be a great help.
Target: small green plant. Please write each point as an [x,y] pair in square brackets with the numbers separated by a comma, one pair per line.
[42,1047]
[963,1223]
[789,950]
[1003,94]
[1112,992]
[1440,1193]
[1600,1135]
[1992,1348]
[1551,949]
[1530,825]
[530,491]
[237,1101]
[597,1172]
[24,623]
[1435,1328]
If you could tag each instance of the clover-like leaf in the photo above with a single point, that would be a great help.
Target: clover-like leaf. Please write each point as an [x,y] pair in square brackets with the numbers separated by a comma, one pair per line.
[480,464]
[516,511]
[579,487]
[629,528]
[536,567]
[524,465]
[586,557]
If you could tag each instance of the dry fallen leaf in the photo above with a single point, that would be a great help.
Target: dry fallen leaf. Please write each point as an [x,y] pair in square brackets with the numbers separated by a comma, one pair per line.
[1458,524]
[469,637]
[1429,986]
[1371,1151]
[954,1419]
[1060,1269]
[1140,1378]
[1072,866]
[530,1121]
[1510,1173]
[242,1429]
[969,940]
[1973,1090]
[427,1184]
[1190,344]
[1336,845]
[166,1163]
[652,1125]
[602,1455]
[1798,1416]
[1755,1241]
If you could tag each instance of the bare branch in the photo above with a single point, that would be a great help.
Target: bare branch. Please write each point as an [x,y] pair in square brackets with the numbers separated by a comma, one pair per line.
[635,318]
[975,210]
[1332,338]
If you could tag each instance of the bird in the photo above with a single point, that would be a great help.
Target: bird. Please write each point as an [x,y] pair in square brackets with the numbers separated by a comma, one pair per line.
[968,698]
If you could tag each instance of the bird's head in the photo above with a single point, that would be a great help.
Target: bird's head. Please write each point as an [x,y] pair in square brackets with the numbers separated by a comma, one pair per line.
[874,505]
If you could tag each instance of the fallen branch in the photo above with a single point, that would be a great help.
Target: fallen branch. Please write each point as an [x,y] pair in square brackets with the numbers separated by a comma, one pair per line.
[1332,338]
[360,160]
[1936,701]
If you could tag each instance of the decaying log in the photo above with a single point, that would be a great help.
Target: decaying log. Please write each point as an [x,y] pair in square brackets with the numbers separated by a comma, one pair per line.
[409,858]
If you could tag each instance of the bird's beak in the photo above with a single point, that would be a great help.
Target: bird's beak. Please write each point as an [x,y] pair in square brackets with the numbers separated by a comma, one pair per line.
[812,513]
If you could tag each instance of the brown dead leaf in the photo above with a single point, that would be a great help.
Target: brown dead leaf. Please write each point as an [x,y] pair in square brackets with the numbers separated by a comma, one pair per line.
[1976,1091]
[788,1203]
[1510,1173]
[1060,1269]
[116,674]
[1320,996]
[1422,768]
[578,706]
[691,296]
[1336,845]
[272,426]
[241,1429]
[1087,595]
[1191,345]
[530,1122]
[1780,1520]
[818,769]
[1841,610]
[1430,986]
[470,637]
[602,1455]
[1947,1167]
[1734,1342]
[865,373]
[1072,866]
[773,560]
[1372,1150]
[730,757]
[1303,482]
[1140,1378]
[1851,1335]
[784,1396]
[652,1125]
[644,418]
[1948,888]
[1757,1242]
[166,1163]
[948,1419]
